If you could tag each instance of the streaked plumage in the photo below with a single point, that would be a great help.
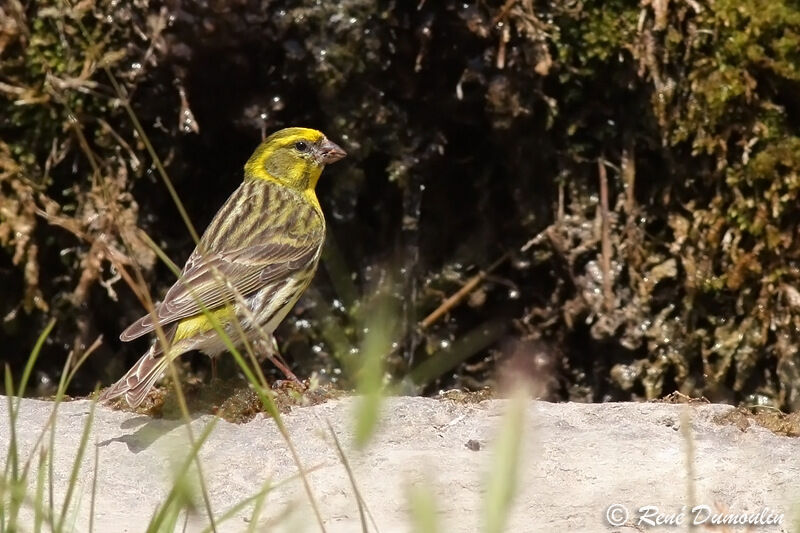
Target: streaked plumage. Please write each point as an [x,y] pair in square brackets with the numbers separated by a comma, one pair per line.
[251,265]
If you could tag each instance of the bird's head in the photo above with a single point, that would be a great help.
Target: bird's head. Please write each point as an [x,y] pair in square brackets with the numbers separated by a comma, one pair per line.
[294,157]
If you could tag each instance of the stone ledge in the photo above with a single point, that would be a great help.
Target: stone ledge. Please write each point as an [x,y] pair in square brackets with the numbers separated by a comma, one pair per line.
[578,460]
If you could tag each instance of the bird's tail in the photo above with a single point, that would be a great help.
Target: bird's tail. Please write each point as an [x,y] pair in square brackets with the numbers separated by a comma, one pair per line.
[138,381]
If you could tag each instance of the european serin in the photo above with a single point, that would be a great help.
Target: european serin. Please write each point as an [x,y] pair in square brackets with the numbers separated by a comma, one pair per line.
[251,265]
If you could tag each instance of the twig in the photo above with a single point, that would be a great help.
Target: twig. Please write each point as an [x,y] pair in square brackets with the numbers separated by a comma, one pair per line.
[503,13]
[505,37]
[505,34]
[628,171]
[462,293]
[12,89]
[605,258]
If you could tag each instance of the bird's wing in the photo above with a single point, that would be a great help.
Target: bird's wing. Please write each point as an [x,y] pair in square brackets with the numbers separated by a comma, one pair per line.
[212,280]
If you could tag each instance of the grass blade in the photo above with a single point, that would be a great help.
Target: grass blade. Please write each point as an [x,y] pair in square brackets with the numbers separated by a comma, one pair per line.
[176,499]
[362,505]
[381,325]
[26,373]
[94,487]
[461,350]
[76,467]
[39,498]
[422,505]
[503,478]
[11,472]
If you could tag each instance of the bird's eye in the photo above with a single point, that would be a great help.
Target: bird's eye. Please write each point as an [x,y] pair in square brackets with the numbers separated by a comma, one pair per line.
[301,146]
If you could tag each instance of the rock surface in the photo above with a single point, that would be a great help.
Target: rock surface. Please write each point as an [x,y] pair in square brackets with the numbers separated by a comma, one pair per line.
[577,461]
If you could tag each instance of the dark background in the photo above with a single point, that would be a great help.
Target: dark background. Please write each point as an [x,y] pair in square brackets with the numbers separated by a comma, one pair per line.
[471,128]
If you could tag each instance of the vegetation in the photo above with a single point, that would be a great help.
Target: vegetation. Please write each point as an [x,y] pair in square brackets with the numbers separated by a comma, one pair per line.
[599,196]
[629,169]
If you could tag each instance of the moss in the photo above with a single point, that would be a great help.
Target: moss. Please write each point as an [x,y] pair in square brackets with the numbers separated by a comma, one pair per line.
[777,422]
[472,129]
[232,399]
[66,204]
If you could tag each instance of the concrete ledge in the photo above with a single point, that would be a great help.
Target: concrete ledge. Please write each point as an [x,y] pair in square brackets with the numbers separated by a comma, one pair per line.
[578,460]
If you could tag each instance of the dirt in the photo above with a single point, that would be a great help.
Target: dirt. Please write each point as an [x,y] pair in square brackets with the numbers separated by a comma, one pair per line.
[234,400]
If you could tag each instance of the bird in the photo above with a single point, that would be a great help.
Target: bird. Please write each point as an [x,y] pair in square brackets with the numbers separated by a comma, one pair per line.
[252,263]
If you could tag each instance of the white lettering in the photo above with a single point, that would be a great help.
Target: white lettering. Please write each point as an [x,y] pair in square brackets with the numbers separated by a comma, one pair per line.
[650,516]
[646,514]
[701,514]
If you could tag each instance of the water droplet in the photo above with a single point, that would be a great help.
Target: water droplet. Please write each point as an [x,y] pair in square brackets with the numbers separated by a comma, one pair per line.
[188,124]
[521,264]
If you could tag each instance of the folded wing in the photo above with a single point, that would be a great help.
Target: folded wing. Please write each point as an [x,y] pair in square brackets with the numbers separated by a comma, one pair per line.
[212,280]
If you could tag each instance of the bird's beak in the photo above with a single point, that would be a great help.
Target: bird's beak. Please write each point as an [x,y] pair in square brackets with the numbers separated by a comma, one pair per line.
[329,152]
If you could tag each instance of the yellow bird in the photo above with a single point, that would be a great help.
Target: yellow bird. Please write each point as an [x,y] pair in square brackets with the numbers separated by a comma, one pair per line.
[251,265]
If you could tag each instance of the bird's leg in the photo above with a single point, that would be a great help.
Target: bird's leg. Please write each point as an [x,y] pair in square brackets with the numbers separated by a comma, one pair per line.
[272,353]
[213,368]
